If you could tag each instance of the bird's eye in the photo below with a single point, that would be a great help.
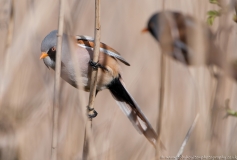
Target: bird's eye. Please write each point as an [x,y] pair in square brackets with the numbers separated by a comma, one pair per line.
[53,49]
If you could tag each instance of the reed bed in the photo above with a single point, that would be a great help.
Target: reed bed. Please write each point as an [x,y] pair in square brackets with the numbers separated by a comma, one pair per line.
[27,86]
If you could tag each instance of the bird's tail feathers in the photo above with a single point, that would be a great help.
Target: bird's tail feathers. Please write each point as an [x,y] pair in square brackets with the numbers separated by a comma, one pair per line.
[131,109]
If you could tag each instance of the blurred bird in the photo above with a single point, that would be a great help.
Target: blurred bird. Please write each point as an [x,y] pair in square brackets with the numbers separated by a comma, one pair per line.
[155,29]
[153,24]
[109,76]
[182,28]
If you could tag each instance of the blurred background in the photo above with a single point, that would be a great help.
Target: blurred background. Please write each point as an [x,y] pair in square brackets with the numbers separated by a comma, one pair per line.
[26,85]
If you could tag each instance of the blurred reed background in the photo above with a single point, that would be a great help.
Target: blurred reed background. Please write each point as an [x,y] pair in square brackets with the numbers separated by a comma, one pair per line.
[26,85]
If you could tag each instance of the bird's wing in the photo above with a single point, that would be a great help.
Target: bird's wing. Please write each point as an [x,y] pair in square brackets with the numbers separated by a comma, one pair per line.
[88,43]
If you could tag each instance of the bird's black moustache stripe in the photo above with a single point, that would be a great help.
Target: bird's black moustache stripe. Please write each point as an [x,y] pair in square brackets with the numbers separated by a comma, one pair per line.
[52,55]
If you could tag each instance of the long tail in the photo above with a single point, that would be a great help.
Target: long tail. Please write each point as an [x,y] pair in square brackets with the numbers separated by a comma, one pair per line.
[131,109]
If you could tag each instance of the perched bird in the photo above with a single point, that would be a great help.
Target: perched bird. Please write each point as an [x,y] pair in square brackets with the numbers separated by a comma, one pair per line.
[109,76]
[182,28]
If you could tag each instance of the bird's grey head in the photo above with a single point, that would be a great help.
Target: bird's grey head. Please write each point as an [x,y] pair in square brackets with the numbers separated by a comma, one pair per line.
[49,41]
[48,49]
[49,46]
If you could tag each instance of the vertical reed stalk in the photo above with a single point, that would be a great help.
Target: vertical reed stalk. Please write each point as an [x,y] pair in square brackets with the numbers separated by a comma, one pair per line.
[93,83]
[57,82]
[161,97]
[95,56]
[161,102]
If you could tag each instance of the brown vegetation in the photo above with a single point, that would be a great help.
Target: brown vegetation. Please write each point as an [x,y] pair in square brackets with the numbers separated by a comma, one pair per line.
[26,85]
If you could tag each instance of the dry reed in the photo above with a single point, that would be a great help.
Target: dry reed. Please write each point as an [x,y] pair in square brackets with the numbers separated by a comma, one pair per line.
[87,148]
[56,100]
[26,85]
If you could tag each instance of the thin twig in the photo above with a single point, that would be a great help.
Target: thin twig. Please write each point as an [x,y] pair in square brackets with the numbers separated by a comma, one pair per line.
[57,82]
[93,83]
[161,101]
[178,156]
[95,56]
[161,97]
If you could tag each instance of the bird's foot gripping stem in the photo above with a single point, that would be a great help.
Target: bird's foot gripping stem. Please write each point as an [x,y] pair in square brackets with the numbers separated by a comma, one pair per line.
[96,65]
[94,114]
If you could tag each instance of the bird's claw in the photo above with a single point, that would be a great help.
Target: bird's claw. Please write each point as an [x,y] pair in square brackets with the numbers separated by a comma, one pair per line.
[94,113]
[94,65]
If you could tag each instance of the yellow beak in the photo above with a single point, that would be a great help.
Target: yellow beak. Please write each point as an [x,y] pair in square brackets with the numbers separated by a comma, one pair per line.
[43,55]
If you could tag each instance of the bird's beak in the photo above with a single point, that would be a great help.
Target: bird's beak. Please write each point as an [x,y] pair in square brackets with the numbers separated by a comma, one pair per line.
[43,55]
[145,30]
